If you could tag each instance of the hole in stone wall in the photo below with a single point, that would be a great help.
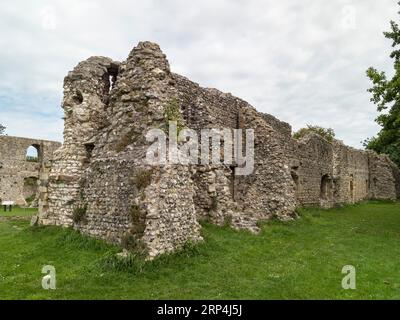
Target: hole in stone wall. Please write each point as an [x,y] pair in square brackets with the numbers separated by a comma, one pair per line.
[232,184]
[112,75]
[352,189]
[30,188]
[351,185]
[33,153]
[109,80]
[78,97]
[295,178]
[325,187]
[89,150]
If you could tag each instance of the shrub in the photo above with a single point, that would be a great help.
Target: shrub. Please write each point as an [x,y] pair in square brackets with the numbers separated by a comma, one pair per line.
[30,199]
[172,112]
[326,133]
[32,159]
[79,213]
[133,244]
[143,179]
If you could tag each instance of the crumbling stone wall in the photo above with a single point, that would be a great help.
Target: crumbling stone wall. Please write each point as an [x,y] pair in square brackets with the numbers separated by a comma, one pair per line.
[383,177]
[330,173]
[100,183]
[18,176]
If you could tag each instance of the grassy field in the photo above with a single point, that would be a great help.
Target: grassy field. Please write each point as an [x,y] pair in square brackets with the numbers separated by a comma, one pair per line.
[17,211]
[294,260]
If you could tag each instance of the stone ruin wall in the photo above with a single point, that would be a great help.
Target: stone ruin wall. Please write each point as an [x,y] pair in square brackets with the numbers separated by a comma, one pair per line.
[328,174]
[100,174]
[19,177]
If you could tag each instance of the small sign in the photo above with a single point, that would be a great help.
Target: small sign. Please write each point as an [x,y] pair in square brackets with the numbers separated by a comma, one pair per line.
[7,203]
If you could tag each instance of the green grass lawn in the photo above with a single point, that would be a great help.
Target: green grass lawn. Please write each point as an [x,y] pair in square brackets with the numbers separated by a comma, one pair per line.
[294,260]
[17,211]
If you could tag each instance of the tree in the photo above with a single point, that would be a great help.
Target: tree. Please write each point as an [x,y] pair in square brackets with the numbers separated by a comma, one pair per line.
[2,129]
[386,96]
[326,133]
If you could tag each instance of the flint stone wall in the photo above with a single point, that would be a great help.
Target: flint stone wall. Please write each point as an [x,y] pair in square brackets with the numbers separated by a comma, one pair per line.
[100,183]
[19,177]
[330,173]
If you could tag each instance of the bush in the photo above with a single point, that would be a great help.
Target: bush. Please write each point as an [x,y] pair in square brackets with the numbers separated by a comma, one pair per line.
[326,133]
[172,112]
[79,213]
[30,199]
[143,179]
[32,159]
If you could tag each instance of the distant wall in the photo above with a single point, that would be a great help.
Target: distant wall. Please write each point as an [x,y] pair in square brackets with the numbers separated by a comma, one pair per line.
[328,174]
[18,177]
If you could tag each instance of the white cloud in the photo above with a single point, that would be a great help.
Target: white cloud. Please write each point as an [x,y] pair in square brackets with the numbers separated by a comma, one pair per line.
[303,62]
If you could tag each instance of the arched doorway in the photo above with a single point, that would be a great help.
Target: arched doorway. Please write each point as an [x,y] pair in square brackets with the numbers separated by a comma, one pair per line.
[326,188]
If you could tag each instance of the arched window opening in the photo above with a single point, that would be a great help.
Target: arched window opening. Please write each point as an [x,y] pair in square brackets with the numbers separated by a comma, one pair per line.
[89,147]
[77,97]
[33,153]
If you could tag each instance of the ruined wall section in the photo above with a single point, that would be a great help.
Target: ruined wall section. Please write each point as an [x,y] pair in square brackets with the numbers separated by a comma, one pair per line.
[101,184]
[86,94]
[315,174]
[18,176]
[324,173]
[145,207]
[382,177]
[268,192]
[282,128]
[396,175]
[214,184]
[351,170]
[101,174]
[220,193]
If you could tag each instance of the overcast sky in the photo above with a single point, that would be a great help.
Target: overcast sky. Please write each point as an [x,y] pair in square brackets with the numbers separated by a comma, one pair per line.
[302,61]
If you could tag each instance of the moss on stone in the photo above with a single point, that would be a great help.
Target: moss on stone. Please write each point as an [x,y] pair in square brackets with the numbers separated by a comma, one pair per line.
[143,179]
